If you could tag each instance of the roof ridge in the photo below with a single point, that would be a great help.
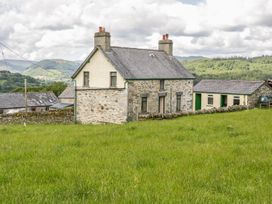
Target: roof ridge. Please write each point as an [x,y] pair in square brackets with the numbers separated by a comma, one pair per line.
[232,80]
[135,48]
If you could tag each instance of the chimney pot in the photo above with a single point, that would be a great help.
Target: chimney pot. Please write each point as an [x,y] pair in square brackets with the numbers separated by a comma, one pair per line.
[166,36]
[100,29]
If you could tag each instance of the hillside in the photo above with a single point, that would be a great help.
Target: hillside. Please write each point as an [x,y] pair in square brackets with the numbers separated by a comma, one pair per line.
[52,70]
[258,68]
[11,81]
[219,158]
[15,66]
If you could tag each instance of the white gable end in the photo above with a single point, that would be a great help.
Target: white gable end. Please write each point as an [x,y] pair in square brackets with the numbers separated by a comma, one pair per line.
[99,69]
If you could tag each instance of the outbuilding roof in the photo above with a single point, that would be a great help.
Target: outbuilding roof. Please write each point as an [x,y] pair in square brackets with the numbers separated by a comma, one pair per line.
[69,92]
[34,99]
[135,63]
[228,86]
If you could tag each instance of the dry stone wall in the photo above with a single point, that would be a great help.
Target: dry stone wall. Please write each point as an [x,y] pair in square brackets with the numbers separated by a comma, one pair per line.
[48,117]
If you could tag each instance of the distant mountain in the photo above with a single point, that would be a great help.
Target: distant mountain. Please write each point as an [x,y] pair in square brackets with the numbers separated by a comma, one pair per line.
[15,66]
[11,81]
[190,58]
[256,68]
[52,69]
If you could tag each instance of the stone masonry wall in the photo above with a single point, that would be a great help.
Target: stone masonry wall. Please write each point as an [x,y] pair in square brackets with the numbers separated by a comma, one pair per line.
[151,88]
[262,91]
[96,106]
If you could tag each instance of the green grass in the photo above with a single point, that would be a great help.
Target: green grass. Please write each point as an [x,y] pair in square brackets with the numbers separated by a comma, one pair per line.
[220,158]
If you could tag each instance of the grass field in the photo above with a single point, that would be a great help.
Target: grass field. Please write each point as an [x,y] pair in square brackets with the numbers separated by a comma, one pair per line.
[220,158]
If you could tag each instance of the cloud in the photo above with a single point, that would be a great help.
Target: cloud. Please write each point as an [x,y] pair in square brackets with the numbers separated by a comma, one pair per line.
[65,28]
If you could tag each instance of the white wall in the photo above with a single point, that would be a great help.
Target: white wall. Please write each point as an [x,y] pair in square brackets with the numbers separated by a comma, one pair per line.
[217,100]
[99,69]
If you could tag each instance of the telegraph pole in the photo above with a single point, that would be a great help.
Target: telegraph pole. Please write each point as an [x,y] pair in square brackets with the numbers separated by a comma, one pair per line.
[26,95]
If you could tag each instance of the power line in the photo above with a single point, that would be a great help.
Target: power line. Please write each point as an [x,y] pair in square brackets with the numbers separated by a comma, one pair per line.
[3,55]
[18,55]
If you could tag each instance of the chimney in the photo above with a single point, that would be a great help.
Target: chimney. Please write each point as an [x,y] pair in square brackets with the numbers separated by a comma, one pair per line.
[103,39]
[166,45]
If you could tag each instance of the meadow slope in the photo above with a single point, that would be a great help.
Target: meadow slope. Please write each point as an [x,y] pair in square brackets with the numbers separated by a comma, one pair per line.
[219,158]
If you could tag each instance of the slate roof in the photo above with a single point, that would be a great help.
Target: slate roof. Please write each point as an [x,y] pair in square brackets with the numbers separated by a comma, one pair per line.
[17,100]
[135,63]
[61,105]
[228,86]
[69,92]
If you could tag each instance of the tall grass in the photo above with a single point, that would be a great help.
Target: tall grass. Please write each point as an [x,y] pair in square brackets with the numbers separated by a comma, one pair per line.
[220,158]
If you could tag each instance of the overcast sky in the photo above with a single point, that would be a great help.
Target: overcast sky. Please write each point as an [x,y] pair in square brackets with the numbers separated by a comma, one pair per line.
[64,28]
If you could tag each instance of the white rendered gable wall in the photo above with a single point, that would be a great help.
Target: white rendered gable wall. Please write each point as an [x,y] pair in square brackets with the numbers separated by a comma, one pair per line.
[99,69]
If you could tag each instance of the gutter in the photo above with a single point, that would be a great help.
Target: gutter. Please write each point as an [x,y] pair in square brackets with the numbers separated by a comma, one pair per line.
[75,103]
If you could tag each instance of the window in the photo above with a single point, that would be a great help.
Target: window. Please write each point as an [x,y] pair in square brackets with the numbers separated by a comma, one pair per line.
[86,79]
[210,99]
[1,111]
[236,100]
[178,109]
[144,105]
[161,85]
[33,109]
[113,79]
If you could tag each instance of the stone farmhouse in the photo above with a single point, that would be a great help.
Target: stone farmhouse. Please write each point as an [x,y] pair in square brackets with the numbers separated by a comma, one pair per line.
[119,84]
[224,93]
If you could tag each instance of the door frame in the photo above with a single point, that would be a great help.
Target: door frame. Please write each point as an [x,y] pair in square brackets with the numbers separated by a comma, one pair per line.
[223,98]
[198,101]
[163,101]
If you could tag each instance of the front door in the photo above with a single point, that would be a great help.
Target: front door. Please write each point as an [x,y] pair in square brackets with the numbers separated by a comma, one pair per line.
[198,102]
[224,100]
[162,104]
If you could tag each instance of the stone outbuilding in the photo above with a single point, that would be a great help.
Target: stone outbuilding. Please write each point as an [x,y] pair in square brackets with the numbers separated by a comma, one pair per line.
[119,84]
[36,102]
[68,95]
[224,93]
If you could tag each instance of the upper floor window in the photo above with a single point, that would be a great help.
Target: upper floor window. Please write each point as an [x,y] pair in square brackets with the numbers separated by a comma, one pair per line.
[161,85]
[236,100]
[86,79]
[113,79]
[210,99]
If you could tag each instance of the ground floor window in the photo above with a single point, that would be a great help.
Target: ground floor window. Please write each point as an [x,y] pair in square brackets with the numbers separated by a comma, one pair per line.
[236,100]
[210,99]
[144,105]
[1,111]
[178,108]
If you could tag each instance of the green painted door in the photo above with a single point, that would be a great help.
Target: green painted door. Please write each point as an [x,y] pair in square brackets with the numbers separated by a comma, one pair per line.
[198,102]
[224,100]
